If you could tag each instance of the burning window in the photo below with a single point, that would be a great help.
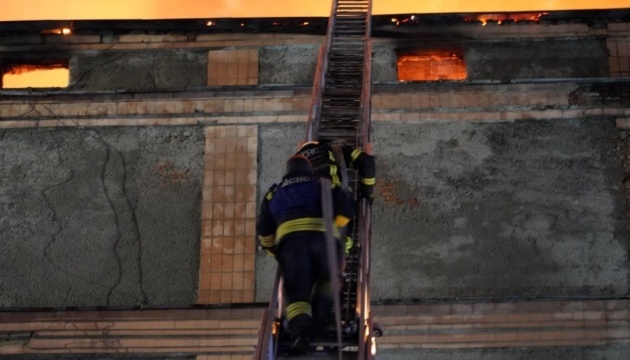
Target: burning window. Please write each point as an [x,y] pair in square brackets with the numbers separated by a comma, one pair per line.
[35,75]
[431,65]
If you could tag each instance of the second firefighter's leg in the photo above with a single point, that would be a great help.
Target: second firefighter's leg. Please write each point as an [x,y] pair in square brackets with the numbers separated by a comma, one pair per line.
[298,283]
[322,300]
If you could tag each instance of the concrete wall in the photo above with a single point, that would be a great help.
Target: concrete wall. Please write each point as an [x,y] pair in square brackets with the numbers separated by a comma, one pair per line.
[139,70]
[384,64]
[486,209]
[288,65]
[536,59]
[273,150]
[485,60]
[100,216]
[498,209]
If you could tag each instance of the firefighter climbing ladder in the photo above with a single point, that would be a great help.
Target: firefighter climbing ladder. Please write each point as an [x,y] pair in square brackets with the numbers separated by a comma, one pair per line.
[340,114]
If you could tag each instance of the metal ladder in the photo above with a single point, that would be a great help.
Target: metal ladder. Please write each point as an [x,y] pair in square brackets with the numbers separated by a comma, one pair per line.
[340,115]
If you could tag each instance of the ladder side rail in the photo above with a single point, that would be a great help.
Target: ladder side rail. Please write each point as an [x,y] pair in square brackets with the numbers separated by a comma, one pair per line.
[366,268]
[316,99]
[265,334]
[319,81]
[366,100]
[366,93]
[363,283]
[262,336]
[331,250]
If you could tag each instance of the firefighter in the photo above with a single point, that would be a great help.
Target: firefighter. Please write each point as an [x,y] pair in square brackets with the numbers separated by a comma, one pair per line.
[322,157]
[290,226]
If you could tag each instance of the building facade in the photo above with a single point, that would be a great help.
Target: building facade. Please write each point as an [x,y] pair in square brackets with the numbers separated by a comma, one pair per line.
[503,187]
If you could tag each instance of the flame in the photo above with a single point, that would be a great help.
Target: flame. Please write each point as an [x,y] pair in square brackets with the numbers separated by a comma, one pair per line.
[25,10]
[62,31]
[502,18]
[32,77]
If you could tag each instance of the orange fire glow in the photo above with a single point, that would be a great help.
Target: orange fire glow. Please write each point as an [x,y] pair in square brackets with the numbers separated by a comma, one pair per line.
[35,77]
[501,18]
[22,10]
[431,65]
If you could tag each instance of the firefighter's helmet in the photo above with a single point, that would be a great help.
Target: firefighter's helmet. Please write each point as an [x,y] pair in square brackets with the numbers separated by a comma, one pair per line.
[299,165]
[308,145]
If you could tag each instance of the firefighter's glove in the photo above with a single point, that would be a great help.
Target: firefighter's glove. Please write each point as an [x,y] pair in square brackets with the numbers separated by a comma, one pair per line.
[366,192]
[349,243]
[367,196]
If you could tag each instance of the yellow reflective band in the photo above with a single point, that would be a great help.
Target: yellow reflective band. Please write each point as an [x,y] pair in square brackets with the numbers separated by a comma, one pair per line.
[266,241]
[368,181]
[331,156]
[269,195]
[349,243]
[303,224]
[341,220]
[355,154]
[299,308]
[334,176]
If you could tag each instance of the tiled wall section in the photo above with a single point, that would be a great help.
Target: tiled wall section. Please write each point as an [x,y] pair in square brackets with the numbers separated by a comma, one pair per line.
[619,59]
[226,270]
[233,67]
[618,44]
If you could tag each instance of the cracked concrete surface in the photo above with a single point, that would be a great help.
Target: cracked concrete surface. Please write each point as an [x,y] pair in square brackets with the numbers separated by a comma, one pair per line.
[536,59]
[288,65]
[147,70]
[498,209]
[485,209]
[100,216]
